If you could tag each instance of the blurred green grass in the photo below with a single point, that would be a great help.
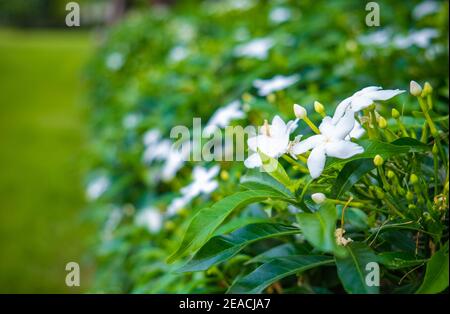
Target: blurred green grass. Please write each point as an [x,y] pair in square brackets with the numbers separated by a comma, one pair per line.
[42,137]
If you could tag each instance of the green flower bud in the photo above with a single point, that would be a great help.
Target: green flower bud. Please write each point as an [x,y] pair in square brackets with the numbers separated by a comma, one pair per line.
[378,161]
[319,108]
[415,89]
[382,123]
[271,98]
[427,89]
[435,149]
[412,206]
[224,175]
[413,179]
[395,113]
[401,191]
[380,193]
[390,174]
[409,196]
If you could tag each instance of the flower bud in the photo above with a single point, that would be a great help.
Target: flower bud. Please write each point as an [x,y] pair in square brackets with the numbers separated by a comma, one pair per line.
[412,206]
[271,98]
[409,196]
[169,225]
[382,123]
[415,89]
[246,97]
[318,198]
[413,179]
[390,174]
[435,149]
[299,111]
[378,161]
[224,175]
[319,108]
[427,89]
[380,193]
[395,113]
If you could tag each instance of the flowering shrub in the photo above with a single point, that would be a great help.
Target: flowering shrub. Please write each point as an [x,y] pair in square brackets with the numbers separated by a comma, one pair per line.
[330,198]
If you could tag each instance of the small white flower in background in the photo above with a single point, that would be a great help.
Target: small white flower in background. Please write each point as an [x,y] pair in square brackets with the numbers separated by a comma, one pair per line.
[278,82]
[114,218]
[174,161]
[378,38]
[203,182]
[223,116]
[421,38]
[157,151]
[357,132]
[425,8]
[97,187]
[280,15]
[257,48]
[331,142]
[272,140]
[178,53]
[151,137]
[131,120]
[150,218]
[363,99]
[318,198]
[114,61]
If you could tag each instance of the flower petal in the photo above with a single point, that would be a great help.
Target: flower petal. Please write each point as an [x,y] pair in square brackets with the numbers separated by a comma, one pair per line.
[340,109]
[345,125]
[361,102]
[327,127]
[306,145]
[253,161]
[316,161]
[384,94]
[278,127]
[343,149]
[357,132]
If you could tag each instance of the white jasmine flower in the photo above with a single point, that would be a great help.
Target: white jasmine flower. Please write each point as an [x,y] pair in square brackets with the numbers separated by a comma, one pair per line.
[150,218]
[114,61]
[378,38]
[421,38]
[278,82]
[97,187]
[280,15]
[257,48]
[223,116]
[425,8]
[273,141]
[174,161]
[114,218]
[158,151]
[178,53]
[203,183]
[331,142]
[151,137]
[363,99]
[357,132]
[318,198]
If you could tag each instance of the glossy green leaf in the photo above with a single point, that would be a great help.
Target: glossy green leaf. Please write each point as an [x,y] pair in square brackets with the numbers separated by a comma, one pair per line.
[258,180]
[352,268]
[350,174]
[436,275]
[281,250]
[221,248]
[277,269]
[207,220]
[319,227]
[398,260]
[276,170]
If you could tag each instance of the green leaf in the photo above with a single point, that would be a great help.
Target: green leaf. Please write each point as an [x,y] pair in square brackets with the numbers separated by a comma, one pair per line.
[207,220]
[221,248]
[276,170]
[352,268]
[436,275]
[276,269]
[257,180]
[350,174]
[386,150]
[398,260]
[319,227]
[281,250]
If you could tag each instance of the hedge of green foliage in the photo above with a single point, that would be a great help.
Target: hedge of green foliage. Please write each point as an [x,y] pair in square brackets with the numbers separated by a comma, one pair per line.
[168,226]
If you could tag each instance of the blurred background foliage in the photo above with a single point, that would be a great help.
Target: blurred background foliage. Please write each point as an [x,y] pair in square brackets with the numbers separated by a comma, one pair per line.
[158,64]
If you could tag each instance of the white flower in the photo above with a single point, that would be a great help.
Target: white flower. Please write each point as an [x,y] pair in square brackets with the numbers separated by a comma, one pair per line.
[425,8]
[421,38]
[357,131]
[300,112]
[114,61]
[223,116]
[178,53]
[150,218]
[318,198]
[257,48]
[278,82]
[378,38]
[173,162]
[331,142]
[363,99]
[280,15]
[158,151]
[151,137]
[203,183]
[97,187]
[272,140]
